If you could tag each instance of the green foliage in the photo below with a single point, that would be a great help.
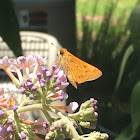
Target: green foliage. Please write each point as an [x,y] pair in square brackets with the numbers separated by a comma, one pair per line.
[135,104]
[113,46]
[131,78]
[9,28]
[127,53]
[126,134]
[131,130]
[135,28]
[102,4]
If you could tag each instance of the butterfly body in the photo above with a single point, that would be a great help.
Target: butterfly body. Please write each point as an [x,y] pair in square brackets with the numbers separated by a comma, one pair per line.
[76,69]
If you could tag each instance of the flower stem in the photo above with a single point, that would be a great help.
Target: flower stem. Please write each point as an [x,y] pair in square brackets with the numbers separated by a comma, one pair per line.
[44,106]
[29,108]
[47,115]
[74,133]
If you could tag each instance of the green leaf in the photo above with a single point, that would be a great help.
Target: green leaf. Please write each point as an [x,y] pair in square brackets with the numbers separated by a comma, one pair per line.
[9,28]
[126,56]
[126,134]
[135,106]
[135,27]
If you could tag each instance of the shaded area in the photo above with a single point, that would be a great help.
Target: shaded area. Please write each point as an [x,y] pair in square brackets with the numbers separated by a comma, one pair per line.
[114,50]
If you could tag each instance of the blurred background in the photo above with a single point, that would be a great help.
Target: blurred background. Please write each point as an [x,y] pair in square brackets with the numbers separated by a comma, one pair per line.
[104,33]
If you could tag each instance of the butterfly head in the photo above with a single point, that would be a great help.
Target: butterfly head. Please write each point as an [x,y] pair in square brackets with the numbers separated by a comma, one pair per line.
[61,52]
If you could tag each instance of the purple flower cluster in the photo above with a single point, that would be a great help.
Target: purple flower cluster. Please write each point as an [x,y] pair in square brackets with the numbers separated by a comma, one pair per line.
[45,80]
[7,130]
[41,87]
[35,80]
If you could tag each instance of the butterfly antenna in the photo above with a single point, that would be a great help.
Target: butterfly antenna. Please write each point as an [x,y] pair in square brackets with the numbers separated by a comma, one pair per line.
[55,46]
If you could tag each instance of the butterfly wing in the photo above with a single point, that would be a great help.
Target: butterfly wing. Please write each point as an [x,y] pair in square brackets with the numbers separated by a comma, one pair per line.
[82,71]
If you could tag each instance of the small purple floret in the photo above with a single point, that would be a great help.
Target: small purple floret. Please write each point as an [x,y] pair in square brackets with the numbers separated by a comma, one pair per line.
[56,125]
[39,75]
[95,108]
[29,84]
[2,113]
[54,67]
[3,131]
[57,88]
[63,123]
[42,81]
[55,76]
[23,135]
[61,98]
[29,79]
[22,58]
[34,88]
[44,69]
[58,82]
[22,84]
[9,129]
[52,128]
[96,114]
[14,108]
[92,100]
[31,96]
[42,85]
[45,125]
[9,121]
[23,90]
[48,74]
[95,102]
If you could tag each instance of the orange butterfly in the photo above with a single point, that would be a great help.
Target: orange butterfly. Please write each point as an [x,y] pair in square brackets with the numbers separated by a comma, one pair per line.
[77,70]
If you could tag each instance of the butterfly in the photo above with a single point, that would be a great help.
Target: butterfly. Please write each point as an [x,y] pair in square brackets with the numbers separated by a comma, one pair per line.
[77,70]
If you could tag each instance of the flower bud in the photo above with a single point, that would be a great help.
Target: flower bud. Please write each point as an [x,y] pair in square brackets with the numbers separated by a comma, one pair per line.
[48,74]
[31,96]
[9,121]
[29,79]
[97,135]
[15,107]
[42,85]
[54,67]
[9,129]
[34,88]
[39,75]
[29,84]
[2,113]
[44,69]
[42,81]
[89,125]
[23,135]
[22,90]
[22,84]
[56,125]
[3,131]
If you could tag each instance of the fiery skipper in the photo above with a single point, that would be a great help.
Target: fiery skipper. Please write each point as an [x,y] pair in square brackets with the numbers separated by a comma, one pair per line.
[77,70]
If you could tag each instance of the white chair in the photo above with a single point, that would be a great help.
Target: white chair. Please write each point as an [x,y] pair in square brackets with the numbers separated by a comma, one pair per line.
[32,42]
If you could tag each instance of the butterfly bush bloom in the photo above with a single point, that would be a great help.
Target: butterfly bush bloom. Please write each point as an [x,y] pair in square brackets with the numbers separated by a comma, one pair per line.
[87,115]
[40,88]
